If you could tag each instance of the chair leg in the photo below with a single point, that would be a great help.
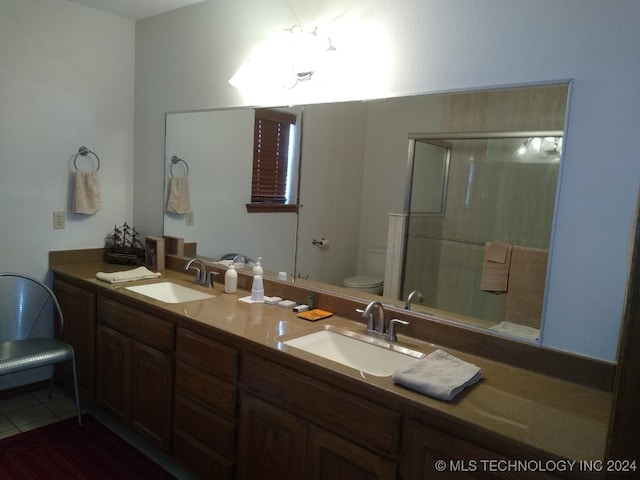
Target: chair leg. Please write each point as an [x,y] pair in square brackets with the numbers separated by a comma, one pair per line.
[52,382]
[75,385]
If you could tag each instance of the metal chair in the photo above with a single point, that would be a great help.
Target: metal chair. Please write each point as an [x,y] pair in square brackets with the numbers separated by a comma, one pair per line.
[23,303]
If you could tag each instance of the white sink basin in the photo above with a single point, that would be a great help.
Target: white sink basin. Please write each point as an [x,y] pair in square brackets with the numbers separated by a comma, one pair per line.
[362,352]
[169,292]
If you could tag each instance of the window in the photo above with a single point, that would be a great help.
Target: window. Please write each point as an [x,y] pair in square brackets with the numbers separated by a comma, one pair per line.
[271,158]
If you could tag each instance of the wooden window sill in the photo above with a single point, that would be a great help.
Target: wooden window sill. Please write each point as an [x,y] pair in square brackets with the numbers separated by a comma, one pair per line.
[271,207]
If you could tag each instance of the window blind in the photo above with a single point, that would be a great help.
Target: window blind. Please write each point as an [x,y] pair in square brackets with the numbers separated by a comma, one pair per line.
[270,156]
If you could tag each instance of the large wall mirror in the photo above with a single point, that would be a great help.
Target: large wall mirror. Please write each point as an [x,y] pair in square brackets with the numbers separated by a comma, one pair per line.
[353,177]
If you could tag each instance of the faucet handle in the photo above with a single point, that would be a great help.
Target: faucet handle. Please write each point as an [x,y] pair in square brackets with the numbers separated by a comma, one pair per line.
[210,276]
[392,328]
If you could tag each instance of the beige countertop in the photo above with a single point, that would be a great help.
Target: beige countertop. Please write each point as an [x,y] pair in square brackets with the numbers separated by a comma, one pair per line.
[556,416]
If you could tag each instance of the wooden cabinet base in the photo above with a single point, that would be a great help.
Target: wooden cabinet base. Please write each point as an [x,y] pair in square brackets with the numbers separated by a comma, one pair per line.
[200,458]
[332,457]
[204,414]
[431,453]
[276,445]
[272,442]
[79,309]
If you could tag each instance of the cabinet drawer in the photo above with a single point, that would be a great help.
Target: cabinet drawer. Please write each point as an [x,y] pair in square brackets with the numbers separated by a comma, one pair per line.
[193,420]
[363,422]
[137,324]
[207,355]
[205,390]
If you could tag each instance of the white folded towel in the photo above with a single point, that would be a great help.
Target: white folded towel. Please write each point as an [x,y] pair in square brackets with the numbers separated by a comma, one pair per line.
[179,200]
[516,330]
[438,375]
[139,273]
[227,263]
[86,195]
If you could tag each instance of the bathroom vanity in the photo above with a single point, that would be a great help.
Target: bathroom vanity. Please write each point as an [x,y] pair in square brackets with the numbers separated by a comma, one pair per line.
[212,383]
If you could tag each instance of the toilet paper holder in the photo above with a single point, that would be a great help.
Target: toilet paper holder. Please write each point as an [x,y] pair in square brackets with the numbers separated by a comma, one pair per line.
[323,242]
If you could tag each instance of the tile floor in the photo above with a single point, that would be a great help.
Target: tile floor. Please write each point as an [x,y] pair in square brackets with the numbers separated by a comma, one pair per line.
[32,410]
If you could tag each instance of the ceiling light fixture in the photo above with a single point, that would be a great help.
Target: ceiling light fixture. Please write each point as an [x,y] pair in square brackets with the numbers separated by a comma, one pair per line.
[288,58]
[542,147]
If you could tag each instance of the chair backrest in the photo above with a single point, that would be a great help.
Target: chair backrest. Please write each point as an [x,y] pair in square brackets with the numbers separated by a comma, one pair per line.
[23,300]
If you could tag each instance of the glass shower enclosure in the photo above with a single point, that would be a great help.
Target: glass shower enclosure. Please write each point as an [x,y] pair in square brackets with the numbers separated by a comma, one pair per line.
[466,191]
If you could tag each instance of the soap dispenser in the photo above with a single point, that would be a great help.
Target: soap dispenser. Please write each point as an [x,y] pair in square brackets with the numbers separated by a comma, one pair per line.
[257,268]
[257,289]
[231,279]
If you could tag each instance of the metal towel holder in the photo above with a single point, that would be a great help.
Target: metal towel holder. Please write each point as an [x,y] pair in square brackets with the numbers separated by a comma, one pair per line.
[84,151]
[175,160]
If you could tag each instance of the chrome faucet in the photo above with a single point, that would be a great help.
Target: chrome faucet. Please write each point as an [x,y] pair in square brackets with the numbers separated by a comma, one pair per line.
[380,327]
[202,277]
[415,293]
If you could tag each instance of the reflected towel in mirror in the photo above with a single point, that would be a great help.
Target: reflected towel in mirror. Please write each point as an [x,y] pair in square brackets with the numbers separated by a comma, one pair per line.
[527,279]
[179,197]
[495,267]
[227,263]
[439,375]
[86,195]
[515,330]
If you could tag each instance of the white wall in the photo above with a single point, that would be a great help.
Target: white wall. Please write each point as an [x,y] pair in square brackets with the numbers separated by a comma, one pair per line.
[66,80]
[185,58]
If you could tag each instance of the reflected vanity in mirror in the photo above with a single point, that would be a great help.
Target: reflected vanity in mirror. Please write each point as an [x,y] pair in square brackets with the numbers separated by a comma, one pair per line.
[353,190]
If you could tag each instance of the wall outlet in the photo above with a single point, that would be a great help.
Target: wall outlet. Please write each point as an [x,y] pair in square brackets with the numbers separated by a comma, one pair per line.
[58,219]
[188,220]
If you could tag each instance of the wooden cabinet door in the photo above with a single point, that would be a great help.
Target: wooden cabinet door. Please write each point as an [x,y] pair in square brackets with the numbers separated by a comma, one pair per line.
[151,392]
[332,458]
[113,367]
[271,442]
[432,454]
[79,310]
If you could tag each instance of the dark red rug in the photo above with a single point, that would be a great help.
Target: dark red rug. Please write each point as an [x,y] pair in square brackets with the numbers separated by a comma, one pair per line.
[65,451]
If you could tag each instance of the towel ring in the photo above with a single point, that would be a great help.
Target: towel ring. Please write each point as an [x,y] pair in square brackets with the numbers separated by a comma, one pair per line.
[84,151]
[175,160]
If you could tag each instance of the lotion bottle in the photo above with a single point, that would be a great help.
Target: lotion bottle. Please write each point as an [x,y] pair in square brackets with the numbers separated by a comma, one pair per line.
[257,268]
[231,279]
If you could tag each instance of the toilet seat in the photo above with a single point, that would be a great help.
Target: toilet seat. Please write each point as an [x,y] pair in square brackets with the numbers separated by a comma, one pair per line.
[363,281]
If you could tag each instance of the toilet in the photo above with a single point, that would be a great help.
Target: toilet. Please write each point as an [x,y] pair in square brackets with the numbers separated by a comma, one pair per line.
[373,280]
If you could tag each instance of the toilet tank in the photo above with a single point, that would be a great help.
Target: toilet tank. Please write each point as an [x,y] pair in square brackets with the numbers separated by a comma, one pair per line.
[375,259]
